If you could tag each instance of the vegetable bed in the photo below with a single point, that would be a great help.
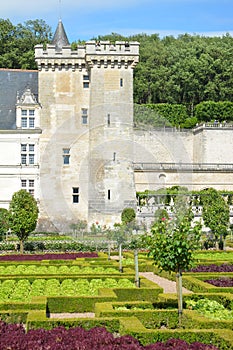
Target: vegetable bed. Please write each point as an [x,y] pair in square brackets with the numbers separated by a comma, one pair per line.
[54,270]
[22,290]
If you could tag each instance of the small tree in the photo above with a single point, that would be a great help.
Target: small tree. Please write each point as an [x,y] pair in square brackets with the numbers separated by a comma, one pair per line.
[23,215]
[4,222]
[171,244]
[79,226]
[135,244]
[215,214]
[128,216]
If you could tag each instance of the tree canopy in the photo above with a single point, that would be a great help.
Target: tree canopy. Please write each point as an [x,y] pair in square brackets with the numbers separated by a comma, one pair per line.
[17,42]
[185,70]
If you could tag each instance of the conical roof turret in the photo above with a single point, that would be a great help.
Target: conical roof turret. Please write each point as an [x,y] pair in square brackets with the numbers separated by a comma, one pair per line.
[60,38]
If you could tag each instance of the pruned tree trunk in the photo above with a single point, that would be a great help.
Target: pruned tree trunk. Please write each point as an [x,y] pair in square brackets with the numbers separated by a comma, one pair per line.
[109,251]
[120,258]
[21,246]
[179,295]
[137,280]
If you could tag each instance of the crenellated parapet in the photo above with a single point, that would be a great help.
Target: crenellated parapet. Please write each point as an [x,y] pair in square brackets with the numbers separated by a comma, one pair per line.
[103,53]
[66,58]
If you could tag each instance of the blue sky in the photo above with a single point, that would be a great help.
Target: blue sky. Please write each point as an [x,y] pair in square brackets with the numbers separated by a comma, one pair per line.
[90,18]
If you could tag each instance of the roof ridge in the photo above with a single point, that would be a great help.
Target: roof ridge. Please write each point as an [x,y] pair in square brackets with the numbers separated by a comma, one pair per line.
[18,69]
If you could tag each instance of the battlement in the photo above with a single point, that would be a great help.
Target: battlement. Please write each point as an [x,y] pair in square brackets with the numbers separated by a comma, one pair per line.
[106,47]
[65,52]
[91,47]
[101,52]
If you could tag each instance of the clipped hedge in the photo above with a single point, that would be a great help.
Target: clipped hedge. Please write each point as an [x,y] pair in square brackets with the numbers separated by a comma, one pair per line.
[147,292]
[193,319]
[197,284]
[15,316]
[209,110]
[78,304]
[132,326]
[226,299]
[36,320]
[37,303]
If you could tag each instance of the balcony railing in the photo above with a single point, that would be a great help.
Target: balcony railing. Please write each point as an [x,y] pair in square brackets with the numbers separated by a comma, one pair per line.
[186,167]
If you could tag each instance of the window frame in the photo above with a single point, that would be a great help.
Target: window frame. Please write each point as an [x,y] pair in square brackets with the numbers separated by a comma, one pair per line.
[66,155]
[75,195]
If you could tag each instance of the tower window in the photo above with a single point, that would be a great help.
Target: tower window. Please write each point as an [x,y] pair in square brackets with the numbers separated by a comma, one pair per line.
[84,115]
[66,156]
[121,82]
[75,194]
[86,81]
[109,119]
[109,194]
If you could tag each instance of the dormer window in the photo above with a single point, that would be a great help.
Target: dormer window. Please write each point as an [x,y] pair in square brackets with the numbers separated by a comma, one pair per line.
[27,118]
[27,111]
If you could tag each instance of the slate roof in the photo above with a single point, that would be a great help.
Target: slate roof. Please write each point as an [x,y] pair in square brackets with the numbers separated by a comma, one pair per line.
[60,38]
[13,82]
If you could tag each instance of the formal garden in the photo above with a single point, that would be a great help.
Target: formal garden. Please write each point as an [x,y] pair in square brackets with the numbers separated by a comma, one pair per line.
[72,302]
[91,290]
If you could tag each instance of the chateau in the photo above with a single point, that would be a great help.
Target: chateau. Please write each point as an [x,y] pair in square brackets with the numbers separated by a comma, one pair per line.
[67,136]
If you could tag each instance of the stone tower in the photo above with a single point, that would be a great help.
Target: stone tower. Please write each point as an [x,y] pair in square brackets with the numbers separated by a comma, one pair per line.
[86,145]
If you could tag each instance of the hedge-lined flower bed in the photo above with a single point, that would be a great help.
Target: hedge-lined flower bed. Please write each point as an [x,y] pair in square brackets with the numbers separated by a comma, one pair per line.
[213,268]
[221,282]
[13,337]
[47,256]
[210,308]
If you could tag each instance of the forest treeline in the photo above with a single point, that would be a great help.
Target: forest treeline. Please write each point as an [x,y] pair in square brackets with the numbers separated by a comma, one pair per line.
[191,71]
[17,42]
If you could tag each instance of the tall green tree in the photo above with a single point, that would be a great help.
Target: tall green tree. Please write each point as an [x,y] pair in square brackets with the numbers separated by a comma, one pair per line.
[17,42]
[23,215]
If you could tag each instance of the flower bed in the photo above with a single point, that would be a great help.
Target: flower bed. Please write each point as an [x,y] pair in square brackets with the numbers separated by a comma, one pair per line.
[13,337]
[221,282]
[213,268]
[47,256]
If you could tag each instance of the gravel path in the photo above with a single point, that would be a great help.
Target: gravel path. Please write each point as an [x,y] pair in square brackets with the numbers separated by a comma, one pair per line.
[167,285]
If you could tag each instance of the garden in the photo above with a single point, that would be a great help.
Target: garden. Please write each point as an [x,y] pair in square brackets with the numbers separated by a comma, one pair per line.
[74,294]
[85,302]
